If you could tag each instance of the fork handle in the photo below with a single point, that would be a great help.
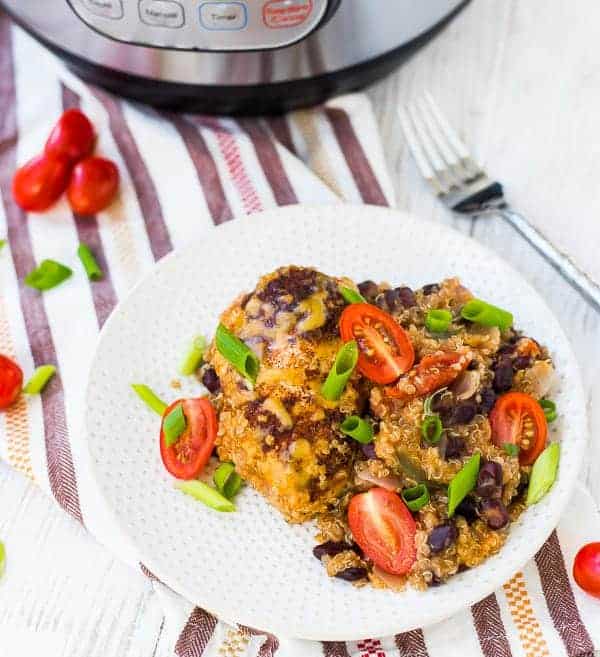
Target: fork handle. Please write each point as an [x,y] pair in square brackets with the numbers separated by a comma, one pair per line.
[577,278]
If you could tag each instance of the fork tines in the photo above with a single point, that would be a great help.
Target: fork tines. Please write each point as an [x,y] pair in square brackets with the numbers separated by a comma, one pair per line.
[441,156]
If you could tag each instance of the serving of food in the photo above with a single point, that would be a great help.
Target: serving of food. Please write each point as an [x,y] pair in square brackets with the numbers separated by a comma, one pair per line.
[378,438]
[411,424]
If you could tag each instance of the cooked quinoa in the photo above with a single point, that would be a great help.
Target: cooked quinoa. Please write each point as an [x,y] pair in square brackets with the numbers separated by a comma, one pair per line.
[285,440]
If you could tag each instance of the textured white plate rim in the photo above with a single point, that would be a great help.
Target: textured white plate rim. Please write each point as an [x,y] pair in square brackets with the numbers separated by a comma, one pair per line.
[558,497]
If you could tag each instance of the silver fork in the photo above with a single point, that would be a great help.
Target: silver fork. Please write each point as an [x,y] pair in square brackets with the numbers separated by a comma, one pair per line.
[464,186]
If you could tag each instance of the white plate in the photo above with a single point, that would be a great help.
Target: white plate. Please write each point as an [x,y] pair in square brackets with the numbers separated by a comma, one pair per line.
[251,567]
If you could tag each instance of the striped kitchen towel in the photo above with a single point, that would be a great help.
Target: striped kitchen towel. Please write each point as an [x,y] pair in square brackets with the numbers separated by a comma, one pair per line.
[181,175]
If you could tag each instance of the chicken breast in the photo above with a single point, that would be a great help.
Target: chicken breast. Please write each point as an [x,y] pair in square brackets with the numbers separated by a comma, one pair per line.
[281,434]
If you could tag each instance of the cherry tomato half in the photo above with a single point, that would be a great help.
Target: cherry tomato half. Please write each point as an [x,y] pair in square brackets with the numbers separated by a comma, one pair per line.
[40,182]
[72,136]
[384,529]
[385,350]
[432,373]
[11,381]
[186,458]
[519,419]
[93,185]
[586,569]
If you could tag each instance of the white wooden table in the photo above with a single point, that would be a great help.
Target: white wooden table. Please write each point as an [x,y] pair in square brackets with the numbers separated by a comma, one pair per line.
[520,79]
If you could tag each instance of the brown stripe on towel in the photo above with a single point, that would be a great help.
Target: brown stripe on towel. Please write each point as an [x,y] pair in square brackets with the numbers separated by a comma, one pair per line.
[206,169]
[145,189]
[411,644]
[196,634]
[560,599]
[335,649]
[281,130]
[269,159]
[103,291]
[490,628]
[358,163]
[61,472]
[269,646]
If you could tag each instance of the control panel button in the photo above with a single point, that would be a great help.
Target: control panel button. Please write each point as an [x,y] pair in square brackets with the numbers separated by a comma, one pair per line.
[223,16]
[162,13]
[104,8]
[279,14]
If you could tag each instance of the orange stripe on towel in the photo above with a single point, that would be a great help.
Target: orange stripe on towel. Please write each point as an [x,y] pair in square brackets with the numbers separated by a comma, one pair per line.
[521,610]
[15,417]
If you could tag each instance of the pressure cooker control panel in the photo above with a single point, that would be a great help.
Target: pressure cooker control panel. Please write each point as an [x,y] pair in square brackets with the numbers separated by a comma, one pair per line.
[203,24]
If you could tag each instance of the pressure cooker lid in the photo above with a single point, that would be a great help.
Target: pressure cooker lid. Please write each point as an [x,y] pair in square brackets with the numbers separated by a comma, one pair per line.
[211,25]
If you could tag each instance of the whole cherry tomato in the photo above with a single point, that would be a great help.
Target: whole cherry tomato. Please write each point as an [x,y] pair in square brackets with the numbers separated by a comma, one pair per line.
[93,185]
[11,381]
[39,183]
[72,137]
[586,569]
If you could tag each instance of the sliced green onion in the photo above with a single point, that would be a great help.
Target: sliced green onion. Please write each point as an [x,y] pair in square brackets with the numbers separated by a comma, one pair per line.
[543,473]
[149,398]
[174,425]
[416,497]
[227,480]
[431,429]
[2,244]
[91,266]
[342,369]
[357,428]
[2,558]
[205,494]
[39,379]
[350,295]
[549,409]
[194,356]
[47,275]
[237,353]
[463,483]
[429,401]
[438,321]
[484,313]
[511,449]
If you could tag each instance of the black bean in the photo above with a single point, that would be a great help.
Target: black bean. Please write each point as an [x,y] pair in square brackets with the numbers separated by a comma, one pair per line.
[488,399]
[468,509]
[380,301]
[441,537]
[454,447]
[435,580]
[211,380]
[369,451]
[503,375]
[399,298]
[330,549]
[521,362]
[443,405]
[352,574]
[369,289]
[464,412]
[489,480]
[432,288]
[506,350]
[494,513]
